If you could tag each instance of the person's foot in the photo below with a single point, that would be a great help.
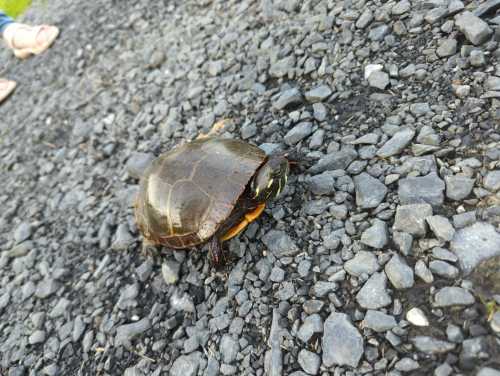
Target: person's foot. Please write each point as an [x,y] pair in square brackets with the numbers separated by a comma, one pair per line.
[27,40]
[6,88]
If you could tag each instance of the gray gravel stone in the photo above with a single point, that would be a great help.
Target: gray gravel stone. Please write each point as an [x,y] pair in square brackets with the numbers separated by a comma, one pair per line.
[125,333]
[378,33]
[322,288]
[455,6]
[170,271]
[441,227]
[370,192]
[290,97]
[78,328]
[212,367]
[50,370]
[406,365]
[144,270]
[411,219]
[492,83]
[87,341]
[401,7]
[458,187]
[38,336]
[487,371]
[312,324]
[447,47]
[274,357]
[379,321]
[123,238]
[376,235]
[365,19]
[436,14]
[62,306]
[322,184]
[320,112]
[227,369]
[399,273]
[477,58]
[4,300]
[277,275]
[298,133]
[397,143]
[461,91]
[280,244]
[367,139]
[443,269]
[403,242]
[38,319]
[473,349]
[186,365]
[426,189]
[316,140]
[443,370]
[417,317]
[453,296]
[22,232]
[378,80]
[474,244]
[444,254]
[464,219]
[492,181]
[228,348]
[373,294]
[486,7]
[454,333]
[182,302]
[342,343]
[46,288]
[430,345]
[309,361]
[138,163]
[423,272]
[475,29]
[362,263]
[420,109]
[318,94]
[338,160]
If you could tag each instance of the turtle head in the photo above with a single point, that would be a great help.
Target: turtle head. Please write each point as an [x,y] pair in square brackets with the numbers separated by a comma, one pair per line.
[270,179]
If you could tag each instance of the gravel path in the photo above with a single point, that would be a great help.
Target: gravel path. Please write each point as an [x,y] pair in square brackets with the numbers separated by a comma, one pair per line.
[379,258]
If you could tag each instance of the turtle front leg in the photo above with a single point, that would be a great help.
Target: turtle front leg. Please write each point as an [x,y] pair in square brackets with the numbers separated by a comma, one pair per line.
[216,130]
[150,250]
[216,252]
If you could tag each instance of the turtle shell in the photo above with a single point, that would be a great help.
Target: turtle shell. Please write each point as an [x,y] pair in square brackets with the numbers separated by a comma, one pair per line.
[187,193]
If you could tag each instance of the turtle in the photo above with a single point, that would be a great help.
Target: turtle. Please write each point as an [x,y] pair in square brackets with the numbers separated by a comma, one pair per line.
[486,280]
[206,192]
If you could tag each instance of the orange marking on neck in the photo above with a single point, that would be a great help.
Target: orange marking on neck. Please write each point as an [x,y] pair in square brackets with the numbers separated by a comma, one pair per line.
[249,217]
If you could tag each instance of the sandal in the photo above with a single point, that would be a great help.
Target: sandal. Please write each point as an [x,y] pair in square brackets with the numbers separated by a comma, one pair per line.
[36,40]
[6,88]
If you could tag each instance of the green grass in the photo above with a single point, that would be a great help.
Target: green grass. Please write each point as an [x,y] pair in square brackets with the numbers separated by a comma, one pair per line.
[14,7]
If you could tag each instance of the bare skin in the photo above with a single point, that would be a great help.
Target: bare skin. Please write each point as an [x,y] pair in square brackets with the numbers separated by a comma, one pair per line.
[25,41]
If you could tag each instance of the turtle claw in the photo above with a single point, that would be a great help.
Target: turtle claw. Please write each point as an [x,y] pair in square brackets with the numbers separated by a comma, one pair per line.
[216,130]
[216,252]
[149,250]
